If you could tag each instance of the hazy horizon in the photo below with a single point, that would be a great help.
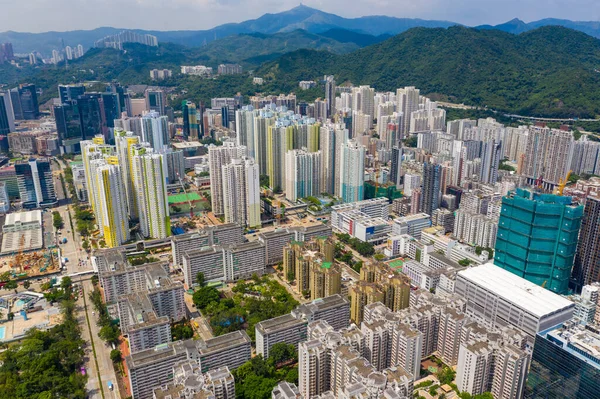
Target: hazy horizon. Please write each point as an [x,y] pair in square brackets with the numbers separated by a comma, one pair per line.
[38,16]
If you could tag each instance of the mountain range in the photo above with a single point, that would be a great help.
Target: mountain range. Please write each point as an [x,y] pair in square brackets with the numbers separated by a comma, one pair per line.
[546,71]
[299,18]
[549,71]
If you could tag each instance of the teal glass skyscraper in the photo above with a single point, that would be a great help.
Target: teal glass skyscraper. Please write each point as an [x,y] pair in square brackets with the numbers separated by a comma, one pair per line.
[537,237]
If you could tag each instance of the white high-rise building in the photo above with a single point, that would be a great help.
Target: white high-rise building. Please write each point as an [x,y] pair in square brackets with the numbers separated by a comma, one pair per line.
[150,185]
[110,200]
[408,102]
[244,129]
[155,130]
[313,370]
[262,123]
[548,154]
[473,370]
[363,100]
[241,192]
[407,345]
[352,166]
[217,157]
[302,174]
[332,137]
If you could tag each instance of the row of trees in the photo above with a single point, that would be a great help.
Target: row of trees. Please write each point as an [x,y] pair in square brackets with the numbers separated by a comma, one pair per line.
[109,331]
[363,248]
[57,220]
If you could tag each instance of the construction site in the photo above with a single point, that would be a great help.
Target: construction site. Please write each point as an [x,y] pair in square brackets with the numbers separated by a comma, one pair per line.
[30,264]
[26,252]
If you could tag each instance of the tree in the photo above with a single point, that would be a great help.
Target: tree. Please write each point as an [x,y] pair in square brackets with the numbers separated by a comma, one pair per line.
[200,279]
[379,256]
[66,283]
[411,141]
[205,296]
[109,334]
[10,316]
[115,356]
[11,285]
[290,275]
[95,279]
[282,352]
[26,284]
[464,262]
[446,375]
[264,180]
[57,220]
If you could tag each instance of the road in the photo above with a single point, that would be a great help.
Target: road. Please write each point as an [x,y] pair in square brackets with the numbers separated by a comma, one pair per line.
[79,262]
[514,116]
[97,376]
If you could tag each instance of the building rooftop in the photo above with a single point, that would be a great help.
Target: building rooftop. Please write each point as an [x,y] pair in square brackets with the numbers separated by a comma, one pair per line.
[156,354]
[222,342]
[576,339]
[278,323]
[186,144]
[322,304]
[411,218]
[23,217]
[514,289]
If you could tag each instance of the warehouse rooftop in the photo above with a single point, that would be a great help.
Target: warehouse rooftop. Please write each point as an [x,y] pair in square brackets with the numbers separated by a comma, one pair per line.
[516,290]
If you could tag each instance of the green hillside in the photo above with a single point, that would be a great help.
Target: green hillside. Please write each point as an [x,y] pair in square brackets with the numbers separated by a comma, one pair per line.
[548,71]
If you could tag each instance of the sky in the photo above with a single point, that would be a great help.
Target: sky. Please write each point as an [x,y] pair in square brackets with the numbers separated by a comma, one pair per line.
[63,15]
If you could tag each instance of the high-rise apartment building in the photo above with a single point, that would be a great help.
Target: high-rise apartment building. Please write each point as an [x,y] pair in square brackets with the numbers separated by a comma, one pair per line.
[155,130]
[241,192]
[407,103]
[244,129]
[36,183]
[124,144]
[150,187]
[548,155]
[280,139]
[362,294]
[218,156]
[586,268]
[330,94]
[110,200]
[431,188]
[331,138]
[491,154]
[537,237]
[302,174]
[352,166]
